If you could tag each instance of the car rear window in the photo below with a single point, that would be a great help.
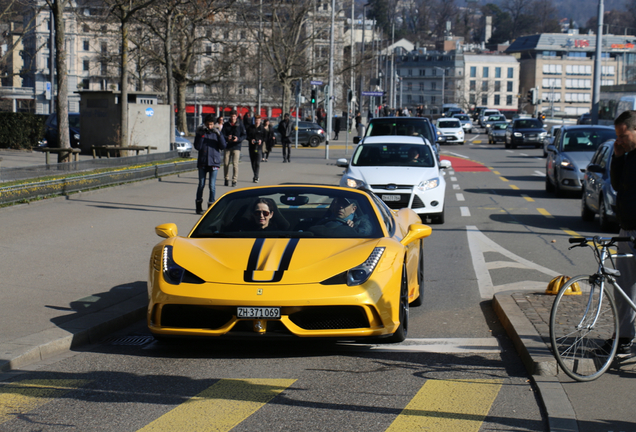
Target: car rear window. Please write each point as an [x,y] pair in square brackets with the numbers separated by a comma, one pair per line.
[528,124]
[447,124]
[406,127]
[588,139]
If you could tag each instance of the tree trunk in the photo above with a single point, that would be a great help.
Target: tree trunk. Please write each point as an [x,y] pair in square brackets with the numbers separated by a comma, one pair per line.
[62,81]
[123,100]
[181,106]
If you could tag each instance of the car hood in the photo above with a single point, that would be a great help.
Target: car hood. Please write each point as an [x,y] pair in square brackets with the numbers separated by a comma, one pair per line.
[393,175]
[248,260]
[581,159]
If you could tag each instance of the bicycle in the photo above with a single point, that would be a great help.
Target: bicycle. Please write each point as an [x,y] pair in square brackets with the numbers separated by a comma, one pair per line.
[581,325]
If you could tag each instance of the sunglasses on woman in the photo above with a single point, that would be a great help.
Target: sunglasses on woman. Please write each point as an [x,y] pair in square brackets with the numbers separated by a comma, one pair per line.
[263,212]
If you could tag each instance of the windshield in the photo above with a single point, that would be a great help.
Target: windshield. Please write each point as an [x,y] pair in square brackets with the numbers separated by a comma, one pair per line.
[528,124]
[586,139]
[448,124]
[398,155]
[461,116]
[500,126]
[290,212]
[393,126]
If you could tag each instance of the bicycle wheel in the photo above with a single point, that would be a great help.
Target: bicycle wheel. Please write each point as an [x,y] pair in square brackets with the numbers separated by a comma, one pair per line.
[577,336]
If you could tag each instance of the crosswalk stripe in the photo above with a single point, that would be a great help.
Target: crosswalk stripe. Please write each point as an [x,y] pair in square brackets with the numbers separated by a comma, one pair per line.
[441,406]
[222,406]
[21,397]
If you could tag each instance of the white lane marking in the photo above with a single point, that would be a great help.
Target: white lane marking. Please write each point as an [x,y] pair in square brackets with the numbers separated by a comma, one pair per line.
[451,173]
[523,154]
[456,186]
[465,211]
[441,346]
[539,173]
[474,138]
[453,178]
[509,151]
[478,243]
[460,197]
[458,155]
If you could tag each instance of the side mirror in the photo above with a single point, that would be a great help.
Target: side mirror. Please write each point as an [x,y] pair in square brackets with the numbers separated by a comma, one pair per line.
[551,148]
[342,163]
[182,133]
[416,232]
[594,168]
[356,139]
[445,163]
[167,230]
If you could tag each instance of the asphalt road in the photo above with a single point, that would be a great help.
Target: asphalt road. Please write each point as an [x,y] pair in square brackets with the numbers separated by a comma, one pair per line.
[458,368]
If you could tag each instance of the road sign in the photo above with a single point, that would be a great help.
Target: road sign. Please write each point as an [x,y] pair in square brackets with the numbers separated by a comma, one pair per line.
[316,83]
[372,93]
[48,90]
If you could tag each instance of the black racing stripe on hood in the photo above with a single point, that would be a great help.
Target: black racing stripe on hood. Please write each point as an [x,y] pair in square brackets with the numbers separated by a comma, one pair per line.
[283,265]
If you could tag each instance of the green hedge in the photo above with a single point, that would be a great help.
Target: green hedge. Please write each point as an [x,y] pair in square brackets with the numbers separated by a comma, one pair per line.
[20,130]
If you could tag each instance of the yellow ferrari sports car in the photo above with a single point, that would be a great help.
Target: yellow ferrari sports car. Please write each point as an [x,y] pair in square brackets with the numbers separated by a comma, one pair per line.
[290,260]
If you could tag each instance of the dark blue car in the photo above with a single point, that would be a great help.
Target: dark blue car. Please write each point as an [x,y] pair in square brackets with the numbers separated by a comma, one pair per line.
[599,197]
[50,130]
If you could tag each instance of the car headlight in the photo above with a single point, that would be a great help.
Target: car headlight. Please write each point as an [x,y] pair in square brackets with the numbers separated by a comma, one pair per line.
[428,184]
[518,134]
[173,273]
[487,125]
[543,135]
[567,164]
[353,182]
[76,136]
[360,274]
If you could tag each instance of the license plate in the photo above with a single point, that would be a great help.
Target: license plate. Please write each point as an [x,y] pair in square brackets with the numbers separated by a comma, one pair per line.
[391,197]
[258,312]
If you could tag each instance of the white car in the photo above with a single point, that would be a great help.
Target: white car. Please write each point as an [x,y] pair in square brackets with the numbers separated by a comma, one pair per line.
[466,122]
[485,114]
[183,146]
[451,129]
[403,171]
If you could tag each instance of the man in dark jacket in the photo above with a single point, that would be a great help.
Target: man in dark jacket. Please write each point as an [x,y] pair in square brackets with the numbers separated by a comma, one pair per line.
[209,142]
[234,132]
[623,177]
[285,129]
[256,137]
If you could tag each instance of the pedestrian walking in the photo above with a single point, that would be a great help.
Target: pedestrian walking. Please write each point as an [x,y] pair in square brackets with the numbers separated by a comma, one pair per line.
[209,143]
[248,120]
[270,139]
[336,127]
[359,125]
[256,136]
[285,129]
[234,132]
[623,178]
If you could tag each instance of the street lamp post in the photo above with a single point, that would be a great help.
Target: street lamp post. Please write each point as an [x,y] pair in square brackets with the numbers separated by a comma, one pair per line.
[364,25]
[443,82]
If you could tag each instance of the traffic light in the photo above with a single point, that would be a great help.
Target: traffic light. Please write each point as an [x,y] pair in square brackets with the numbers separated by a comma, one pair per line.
[349,95]
[529,96]
[535,96]
[383,98]
[313,96]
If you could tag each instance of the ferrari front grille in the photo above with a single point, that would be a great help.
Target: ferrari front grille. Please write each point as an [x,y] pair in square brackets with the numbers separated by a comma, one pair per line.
[330,318]
[193,316]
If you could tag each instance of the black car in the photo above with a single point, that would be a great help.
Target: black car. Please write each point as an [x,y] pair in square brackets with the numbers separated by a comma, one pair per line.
[50,130]
[309,134]
[525,132]
[599,197]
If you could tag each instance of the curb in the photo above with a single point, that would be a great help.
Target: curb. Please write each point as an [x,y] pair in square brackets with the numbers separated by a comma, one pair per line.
[539,362]
[83,330]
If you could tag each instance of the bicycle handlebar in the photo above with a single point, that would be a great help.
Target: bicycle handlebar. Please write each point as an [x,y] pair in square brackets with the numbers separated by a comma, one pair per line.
[602,240]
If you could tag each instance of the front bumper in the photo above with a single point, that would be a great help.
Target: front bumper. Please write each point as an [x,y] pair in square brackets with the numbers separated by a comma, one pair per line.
[571,180]
[406,196]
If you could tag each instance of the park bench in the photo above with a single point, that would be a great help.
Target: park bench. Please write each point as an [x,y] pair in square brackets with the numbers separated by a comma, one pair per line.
[48,150]
[99,150]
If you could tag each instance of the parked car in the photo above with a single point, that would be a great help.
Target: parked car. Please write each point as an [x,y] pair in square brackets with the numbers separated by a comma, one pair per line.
[405,126]
[50,130]
[309,134]
[466,122]
[525,132]
[183,146]
[451,129]
[485,114]
[386,165]
[570,154]
[497,132]
[599,197]
[307,274]
[549,139]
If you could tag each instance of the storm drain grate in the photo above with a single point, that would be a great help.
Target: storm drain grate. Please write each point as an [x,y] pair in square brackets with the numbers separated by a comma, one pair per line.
[130,340]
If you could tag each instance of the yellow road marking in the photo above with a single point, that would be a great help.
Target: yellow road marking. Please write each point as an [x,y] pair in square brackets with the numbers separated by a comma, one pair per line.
[430,409]
[570,232]
[477,141]
[21,397]
[544,212]
[503,179]
[527,198]
[496,172]
[222,406]
[514,187]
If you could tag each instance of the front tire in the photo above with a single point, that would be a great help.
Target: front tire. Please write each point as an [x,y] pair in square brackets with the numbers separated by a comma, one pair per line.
[420,277]
[586,214]
[576,336]
[402,330]
[314,141]
[606,225]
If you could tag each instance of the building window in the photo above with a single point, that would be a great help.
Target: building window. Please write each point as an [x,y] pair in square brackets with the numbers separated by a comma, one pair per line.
[473,71]
[86,84]
[104,68]
[472,85]
[409,86]
[497,86]
[86,28]
[607,70]
[485,72]
[549,53]
[422,72]
[408,99]
[421,99]
[497,72]
[509,86]
[86,65]
[410,72]
[577,97]
[421,86]
[497,99]
[577,54]
[552,69]
[433,99]
[484,86]
[511,72]
[471,98]
[484,99]
[578,84]
[104,48]
[509,100]
[551,97]
[434,73]
[578,69]
[607,82]
[433,86]
[551,83]
[86,45]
